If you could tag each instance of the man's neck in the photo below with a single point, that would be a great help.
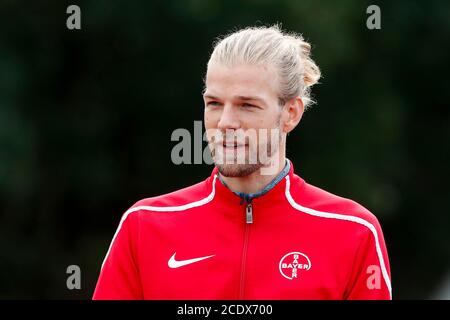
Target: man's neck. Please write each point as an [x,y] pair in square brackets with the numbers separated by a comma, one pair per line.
[257,180]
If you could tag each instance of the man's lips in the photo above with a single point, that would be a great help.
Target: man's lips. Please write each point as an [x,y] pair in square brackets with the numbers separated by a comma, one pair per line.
[231,145]
[233,148]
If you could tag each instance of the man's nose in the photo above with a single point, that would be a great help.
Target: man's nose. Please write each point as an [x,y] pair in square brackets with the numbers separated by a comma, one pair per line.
[229,118]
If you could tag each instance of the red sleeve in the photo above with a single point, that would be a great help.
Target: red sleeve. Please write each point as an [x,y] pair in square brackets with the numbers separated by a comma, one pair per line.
[371,275]
[119,276]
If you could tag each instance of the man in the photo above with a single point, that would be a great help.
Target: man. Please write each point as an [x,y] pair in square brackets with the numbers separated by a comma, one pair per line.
[253,229]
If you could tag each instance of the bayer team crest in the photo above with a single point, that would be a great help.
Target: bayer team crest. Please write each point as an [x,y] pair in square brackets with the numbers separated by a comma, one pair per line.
[293,263]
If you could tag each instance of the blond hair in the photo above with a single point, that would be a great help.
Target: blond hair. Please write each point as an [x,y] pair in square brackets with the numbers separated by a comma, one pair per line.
[289,53]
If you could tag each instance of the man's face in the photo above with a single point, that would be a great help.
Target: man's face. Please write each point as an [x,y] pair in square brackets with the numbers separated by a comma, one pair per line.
[242,117]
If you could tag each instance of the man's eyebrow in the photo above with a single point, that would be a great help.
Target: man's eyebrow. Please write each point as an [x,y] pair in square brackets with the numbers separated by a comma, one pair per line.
[206,95]
[243,98]
[250,98]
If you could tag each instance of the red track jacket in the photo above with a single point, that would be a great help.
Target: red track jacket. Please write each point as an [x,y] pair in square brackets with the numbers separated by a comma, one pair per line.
[295,242]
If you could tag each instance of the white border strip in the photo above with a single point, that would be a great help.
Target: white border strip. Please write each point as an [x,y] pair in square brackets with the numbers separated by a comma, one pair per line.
[347,218]
[162,209]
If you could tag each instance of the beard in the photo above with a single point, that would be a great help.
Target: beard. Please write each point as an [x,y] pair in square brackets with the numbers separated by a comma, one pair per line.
[238,170]
[261,156]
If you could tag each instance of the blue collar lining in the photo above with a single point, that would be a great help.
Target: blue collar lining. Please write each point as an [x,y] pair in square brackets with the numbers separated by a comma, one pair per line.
[248,197]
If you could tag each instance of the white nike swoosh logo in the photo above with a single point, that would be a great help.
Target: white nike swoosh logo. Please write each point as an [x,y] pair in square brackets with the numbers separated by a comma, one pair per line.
[180,263]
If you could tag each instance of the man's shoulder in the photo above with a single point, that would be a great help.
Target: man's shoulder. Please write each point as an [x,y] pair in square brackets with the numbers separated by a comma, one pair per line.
[329,205]
[178,200]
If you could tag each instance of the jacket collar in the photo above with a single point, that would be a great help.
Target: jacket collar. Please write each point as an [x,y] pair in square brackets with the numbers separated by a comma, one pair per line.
[273,192]
[248,197]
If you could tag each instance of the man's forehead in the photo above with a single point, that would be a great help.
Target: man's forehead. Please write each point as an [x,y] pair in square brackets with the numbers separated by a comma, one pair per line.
[243,81]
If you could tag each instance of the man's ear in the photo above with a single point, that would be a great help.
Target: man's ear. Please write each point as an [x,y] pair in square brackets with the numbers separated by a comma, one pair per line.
[292,114]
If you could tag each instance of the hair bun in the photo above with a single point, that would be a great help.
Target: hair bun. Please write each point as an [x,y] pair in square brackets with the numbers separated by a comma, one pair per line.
[311,72]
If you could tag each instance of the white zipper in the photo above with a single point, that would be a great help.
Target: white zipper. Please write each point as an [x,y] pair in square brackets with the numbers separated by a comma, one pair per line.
[249,213]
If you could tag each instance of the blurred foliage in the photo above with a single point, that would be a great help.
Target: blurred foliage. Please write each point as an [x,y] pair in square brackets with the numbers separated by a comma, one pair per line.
[86,118]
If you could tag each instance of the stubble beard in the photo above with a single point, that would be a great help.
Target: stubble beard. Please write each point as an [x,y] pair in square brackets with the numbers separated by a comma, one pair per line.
[236,169]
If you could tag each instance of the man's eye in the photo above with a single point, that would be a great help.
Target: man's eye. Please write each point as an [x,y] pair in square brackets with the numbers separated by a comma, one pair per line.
[248,105]
[213,103]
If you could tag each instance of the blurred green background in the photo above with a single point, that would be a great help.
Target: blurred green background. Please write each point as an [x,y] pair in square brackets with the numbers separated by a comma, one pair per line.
[86,118]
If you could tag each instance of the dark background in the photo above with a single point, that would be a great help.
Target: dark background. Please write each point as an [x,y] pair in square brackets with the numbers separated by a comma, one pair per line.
[86,118]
